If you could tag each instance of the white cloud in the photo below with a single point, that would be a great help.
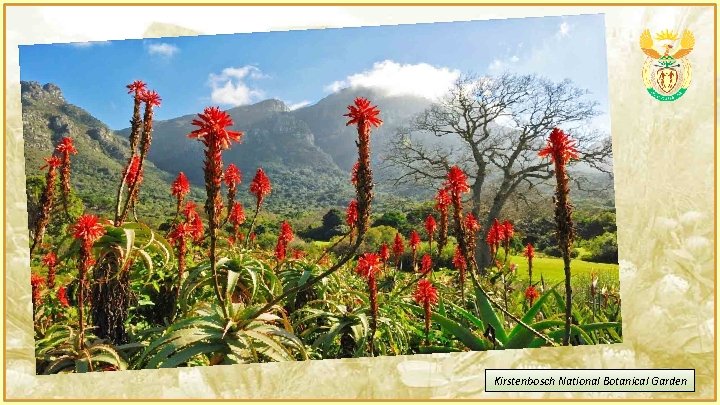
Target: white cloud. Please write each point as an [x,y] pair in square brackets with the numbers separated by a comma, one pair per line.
[295,106]
[420,79]
[162,49]
[230,86]
[563,30]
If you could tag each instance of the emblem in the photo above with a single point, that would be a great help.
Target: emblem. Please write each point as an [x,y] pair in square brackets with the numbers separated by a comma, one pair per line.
[667,75]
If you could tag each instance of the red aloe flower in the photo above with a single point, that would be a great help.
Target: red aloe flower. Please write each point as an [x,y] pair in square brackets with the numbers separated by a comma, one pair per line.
[530,254]
[36,282]
[460,265]
[150,97]
[426,295]
[364,115]
[180,188]
[236,218]
[62,296]
[252,237]
[233,177]
[297,254]
[495,235]
[193,218]
[132,171]
[65,148]
[456,184]
[430,227]
[237,214]
[138,87]
[384,253]
[286,235]
[471,223]
[351,214]
[87,230]
[50,260]
[531,294]
[260,186]
[398,248]
[560,147]
[425,264]
[442,202]
[368,267]
[178,237]
[212,131]
[414,240]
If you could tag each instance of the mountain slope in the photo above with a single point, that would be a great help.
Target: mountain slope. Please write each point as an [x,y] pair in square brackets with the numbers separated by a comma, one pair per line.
[303,175]
[98,166]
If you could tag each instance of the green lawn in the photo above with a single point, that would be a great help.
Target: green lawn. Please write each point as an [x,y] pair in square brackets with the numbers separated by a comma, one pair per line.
[551,269]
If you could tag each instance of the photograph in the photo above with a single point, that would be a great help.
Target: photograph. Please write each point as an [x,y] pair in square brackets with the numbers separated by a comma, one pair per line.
[320,194]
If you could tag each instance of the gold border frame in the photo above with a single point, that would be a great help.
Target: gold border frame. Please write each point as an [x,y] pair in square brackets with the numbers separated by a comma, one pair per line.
[396,4]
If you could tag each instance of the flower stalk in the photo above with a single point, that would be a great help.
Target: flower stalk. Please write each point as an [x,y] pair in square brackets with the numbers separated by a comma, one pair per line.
[561,149]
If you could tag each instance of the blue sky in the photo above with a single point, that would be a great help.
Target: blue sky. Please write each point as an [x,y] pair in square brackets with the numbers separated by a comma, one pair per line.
[301,67]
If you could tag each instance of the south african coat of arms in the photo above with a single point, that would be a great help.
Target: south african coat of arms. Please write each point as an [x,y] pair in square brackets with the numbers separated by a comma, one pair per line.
[667,75]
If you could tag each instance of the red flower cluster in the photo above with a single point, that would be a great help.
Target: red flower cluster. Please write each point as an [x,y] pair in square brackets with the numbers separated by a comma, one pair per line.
[425,293]
[237,214]
[560,147]
[414,241]
[459,260]
[180,187]
[212,129]
[499,234]
[368,265]
[233,175]
[66,147]
[430,226]
[363,113]
[193,218]
[132,171]
[351,214]
[150,98]
[531,294]
[62,296]
[398,247]
[471,223]
[137,87]
[88,229]
[36,282]
[297,254]
[286,235]
[426,264]
[50,260]
[529,251]
[51,163]
[384,253]
[260,186]
[456,182]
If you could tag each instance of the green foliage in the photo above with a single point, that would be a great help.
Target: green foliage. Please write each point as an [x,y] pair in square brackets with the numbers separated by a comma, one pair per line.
[602,249]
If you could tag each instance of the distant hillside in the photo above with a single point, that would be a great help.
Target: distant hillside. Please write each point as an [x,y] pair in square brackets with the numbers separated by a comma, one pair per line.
[101,157]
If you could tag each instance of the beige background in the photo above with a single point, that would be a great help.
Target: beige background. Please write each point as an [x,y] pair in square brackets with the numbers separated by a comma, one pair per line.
[664,169]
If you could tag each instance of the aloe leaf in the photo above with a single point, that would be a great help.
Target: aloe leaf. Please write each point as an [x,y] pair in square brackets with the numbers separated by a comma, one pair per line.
[464,335]
[489,316]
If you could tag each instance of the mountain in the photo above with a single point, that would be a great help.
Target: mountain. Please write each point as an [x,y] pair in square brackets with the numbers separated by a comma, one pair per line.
[101,158]
[325,119]
[307,153]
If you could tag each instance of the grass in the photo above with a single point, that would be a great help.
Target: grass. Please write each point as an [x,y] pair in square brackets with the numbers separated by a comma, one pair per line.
[551,269]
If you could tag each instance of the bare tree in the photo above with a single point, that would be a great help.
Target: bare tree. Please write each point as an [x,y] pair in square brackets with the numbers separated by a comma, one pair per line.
[493,128]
